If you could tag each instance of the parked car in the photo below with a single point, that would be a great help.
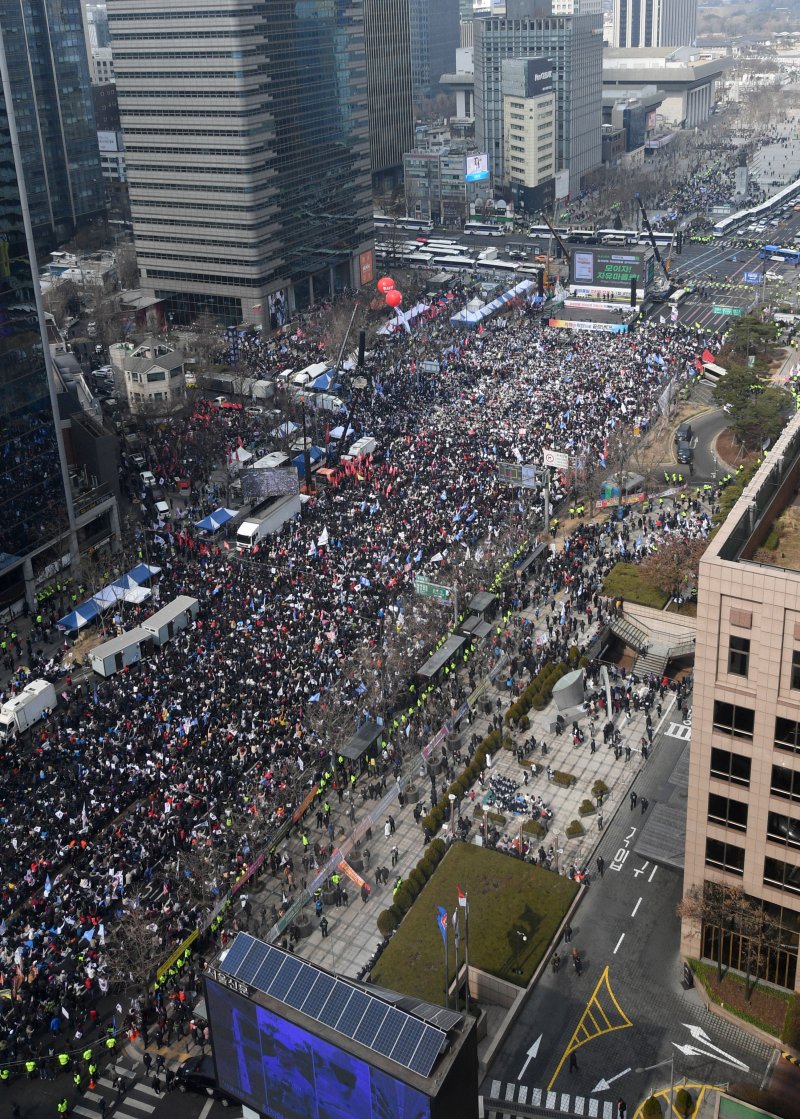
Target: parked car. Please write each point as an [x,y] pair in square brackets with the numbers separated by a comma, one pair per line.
[198,1076]
[684,433]
[148,478]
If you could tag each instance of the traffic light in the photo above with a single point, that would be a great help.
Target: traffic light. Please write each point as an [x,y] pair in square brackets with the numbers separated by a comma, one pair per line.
[679,242]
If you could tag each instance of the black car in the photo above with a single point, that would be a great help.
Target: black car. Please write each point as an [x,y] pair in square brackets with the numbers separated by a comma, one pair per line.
[684,433]
[685,452]
[198,1076]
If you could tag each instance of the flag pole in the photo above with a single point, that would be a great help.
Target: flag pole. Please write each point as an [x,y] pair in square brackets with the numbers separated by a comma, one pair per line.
[446,972]
[466,950]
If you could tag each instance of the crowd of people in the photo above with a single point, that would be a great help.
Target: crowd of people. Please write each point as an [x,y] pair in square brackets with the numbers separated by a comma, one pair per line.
[154,789]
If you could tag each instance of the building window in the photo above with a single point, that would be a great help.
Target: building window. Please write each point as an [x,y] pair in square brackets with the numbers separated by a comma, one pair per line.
[787,734]
[738,655]
[775,962]
[730,719]
[783,829]
[795,668]
[785,876]
[730,767]
[785,783]
[725,856]
[730,813]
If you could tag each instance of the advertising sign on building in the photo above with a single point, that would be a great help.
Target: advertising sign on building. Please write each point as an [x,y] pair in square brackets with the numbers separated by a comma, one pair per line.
[107,141]
[609,267]
[651,120]
[366,267]
[562,185]
[476,168]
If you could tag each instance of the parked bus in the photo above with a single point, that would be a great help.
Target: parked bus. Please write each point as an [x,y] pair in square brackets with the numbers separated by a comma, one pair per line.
[410,225]
[460,262]
[618,236]
[678,296]
[483,229]
[583,236]
[775,252]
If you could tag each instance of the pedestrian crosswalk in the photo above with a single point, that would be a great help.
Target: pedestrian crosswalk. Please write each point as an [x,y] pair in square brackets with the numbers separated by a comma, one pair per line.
[679,730]
[136,1102]
[511,1099]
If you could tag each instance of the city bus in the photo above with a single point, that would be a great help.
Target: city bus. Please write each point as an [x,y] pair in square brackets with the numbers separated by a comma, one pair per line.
[775,252]
[450,261]
[483,229]
[583,236]
[408,225]
[618,236]
[678,296]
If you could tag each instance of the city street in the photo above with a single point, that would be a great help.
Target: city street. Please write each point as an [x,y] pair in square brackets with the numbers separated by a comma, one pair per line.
[591,1036]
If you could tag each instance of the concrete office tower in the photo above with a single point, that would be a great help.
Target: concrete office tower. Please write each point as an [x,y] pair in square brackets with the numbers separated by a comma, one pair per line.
[387,37]
[529,129]
[575,46]
[743,806]
[246,140]
[435,37]
[49,75]
[654,23]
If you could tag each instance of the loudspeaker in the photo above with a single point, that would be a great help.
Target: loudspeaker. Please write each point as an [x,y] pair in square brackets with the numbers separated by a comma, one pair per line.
[633,292]
[362,341]
[540,282]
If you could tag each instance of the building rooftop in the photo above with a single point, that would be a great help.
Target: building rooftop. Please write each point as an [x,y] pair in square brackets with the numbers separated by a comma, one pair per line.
[763,528]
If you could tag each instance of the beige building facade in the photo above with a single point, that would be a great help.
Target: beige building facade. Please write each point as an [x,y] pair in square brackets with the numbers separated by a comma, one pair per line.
[743,814]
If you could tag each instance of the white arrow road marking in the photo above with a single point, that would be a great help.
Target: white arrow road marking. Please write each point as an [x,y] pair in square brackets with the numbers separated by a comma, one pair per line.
[534,1049]
[693,1051]
[604,1085]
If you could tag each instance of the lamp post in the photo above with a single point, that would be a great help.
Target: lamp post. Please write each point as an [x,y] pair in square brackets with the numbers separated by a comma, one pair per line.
[452,799]
[485,826]
[520,938]
[671,1062]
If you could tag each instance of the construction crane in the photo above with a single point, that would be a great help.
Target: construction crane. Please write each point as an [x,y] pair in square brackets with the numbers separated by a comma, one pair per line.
[648,227]
[559,242]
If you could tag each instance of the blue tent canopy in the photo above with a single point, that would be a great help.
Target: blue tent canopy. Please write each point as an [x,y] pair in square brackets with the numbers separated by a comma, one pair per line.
[142,572]
[214,521]
[80,616]
[315,454]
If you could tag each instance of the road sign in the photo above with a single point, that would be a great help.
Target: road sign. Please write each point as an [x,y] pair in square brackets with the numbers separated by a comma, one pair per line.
[555,458]
[737,312]
[432,590]
[517,474]
[753,277]
[430,367]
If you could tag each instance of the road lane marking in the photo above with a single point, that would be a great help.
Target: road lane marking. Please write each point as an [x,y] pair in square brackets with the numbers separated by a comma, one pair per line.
[653,874]
[635,908]
[582,1034]
[619,942]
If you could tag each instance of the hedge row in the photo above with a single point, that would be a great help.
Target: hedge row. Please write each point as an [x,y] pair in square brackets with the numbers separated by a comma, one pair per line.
[790,1035]
[461,786]
[389,919]
[540,690]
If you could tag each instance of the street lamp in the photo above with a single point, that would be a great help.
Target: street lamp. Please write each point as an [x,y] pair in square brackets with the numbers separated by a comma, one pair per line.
[521,938]
[671,1062]
[485,826]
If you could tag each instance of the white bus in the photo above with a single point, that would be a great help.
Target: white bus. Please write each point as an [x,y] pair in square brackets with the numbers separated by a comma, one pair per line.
[678,296]
[483,229]
[450,261]
[410,225]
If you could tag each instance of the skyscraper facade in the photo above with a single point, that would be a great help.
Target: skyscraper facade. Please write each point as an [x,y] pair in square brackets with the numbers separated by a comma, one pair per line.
[49,75]
[654,23]
[575,46]
[435,37]
[35,507]
[246,134]
[387,36]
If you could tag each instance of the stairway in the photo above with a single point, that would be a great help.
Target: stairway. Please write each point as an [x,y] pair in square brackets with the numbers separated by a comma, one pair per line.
[654,660]
[634,637]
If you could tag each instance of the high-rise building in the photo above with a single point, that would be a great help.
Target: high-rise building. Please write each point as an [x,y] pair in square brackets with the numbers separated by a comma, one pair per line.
[654,23]
[387,40]
[246,139]
[529,130]
[743,807]
[35,506]
[435,37]
[49,75]
[575,46]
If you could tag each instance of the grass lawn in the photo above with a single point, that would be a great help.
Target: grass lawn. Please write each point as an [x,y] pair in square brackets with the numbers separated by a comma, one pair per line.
[766,1008]
[504,894]
[625,581]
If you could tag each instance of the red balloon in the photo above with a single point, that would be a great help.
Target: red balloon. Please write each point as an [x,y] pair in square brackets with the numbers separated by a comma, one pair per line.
[394,298]
[386,283]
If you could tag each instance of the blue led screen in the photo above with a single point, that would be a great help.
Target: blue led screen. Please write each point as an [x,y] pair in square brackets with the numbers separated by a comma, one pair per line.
[286,1072]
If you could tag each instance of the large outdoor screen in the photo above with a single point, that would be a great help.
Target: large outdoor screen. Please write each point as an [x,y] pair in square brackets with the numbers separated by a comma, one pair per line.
[259,483]
[287,1072]
[609,267]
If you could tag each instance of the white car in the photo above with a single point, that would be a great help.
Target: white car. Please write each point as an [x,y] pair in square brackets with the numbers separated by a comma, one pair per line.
[148,478]
[162,508]
[773,276]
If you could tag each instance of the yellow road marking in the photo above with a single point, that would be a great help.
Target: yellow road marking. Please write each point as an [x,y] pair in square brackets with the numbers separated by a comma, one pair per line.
[664,1093]
[576,1041]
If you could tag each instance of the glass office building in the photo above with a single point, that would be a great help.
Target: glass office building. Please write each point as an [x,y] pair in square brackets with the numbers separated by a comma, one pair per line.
[49,75]
[34,508]
[246,134]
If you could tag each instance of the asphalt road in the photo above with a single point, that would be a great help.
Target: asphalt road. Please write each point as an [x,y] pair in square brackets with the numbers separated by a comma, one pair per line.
[627,1011]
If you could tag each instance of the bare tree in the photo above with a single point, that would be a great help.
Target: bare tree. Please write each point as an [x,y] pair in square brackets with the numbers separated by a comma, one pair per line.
[127,265]
[62,299]
[134,948]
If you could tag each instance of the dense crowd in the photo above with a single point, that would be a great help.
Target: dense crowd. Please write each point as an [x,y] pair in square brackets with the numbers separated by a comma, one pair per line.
[152,789]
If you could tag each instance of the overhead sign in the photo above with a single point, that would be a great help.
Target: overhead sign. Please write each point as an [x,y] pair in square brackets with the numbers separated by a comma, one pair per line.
[517,474]
[556,458]
[430,366]
[753,277]
[431,590]
[737,312]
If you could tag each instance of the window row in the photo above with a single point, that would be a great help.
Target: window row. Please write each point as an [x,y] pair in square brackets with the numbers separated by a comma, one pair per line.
[730,858]
[739,660]
[731,813]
